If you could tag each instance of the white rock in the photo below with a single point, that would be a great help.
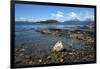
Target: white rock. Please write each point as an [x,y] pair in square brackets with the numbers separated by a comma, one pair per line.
[58,46]
[40,60]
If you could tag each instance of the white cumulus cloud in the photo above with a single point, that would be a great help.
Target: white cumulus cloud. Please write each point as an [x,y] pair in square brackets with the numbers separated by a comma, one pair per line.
[61,16]
[71,16]
[30,19]
[58,14]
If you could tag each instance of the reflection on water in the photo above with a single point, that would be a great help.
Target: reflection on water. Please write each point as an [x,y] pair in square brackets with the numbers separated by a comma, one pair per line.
[26,34]
[24,27]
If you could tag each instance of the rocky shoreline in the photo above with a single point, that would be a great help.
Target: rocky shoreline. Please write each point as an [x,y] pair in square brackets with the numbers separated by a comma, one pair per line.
[67,55]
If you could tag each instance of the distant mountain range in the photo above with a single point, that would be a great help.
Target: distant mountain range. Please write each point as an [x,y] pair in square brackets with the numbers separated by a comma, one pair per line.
[70,22]
[78,22]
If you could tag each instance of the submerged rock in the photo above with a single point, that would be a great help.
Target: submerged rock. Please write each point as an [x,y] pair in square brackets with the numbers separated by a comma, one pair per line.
[58,46]
[22,50]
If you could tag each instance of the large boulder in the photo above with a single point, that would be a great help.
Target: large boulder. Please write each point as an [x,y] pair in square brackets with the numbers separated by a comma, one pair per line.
[58,46]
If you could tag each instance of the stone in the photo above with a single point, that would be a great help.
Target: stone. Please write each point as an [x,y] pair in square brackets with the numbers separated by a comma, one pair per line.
[48,57]
[30,62]
[58,46]
[22,50]
[61,60]
[21,54]
[40,60]
[70,53]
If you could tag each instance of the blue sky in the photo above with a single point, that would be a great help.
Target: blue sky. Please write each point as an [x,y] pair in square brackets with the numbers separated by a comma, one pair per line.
[27,12]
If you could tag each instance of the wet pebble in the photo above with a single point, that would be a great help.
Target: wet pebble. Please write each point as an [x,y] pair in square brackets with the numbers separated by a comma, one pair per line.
[61,60]
[21,54]
[70,53]
[40,60]
[22,50]
[48,57]
[30,62]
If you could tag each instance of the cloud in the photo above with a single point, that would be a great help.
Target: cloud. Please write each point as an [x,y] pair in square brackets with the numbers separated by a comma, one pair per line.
[90,17]
[86,15]
[30,19]
[58,14]
[80,16]
[71,16]
[65,16]
[21,19]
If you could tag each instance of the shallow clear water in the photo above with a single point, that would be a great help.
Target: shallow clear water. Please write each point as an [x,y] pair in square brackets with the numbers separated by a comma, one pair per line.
[26,34]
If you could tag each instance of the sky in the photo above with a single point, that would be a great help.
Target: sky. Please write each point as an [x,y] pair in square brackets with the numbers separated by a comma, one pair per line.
[33,13]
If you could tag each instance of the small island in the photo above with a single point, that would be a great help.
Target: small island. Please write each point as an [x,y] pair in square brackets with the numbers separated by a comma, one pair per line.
[48,22]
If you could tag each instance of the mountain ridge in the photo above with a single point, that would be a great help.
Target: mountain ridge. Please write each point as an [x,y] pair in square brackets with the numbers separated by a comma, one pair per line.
[69,22]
